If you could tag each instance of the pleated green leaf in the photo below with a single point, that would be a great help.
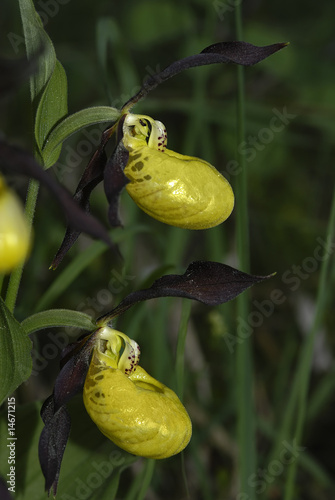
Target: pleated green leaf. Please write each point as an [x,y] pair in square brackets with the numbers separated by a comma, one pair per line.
[15,348]
[36,39]
[51,109]
[57,318]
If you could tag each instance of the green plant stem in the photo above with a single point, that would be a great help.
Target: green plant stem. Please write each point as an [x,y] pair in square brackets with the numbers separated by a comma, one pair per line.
[305,362]
[15,278]
[244,369]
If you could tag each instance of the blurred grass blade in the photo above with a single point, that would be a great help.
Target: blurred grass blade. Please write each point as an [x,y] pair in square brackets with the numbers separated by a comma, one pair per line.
[148,473]
[66,277]
[51,109]
[57,318]
[305,362]
[185,316]
[15,348]
[246,427]
[108,35]
[72,124]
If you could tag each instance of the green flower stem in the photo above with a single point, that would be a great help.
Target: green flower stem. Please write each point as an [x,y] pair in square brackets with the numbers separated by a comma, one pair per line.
[304,368]
[244,369]
[15,278]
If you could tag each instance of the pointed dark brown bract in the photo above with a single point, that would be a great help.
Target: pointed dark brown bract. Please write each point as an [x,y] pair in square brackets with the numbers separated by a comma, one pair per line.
[53,442]
[114,178]
[211,283]
[70,381]
[92,176]
[242,53]
[71,378]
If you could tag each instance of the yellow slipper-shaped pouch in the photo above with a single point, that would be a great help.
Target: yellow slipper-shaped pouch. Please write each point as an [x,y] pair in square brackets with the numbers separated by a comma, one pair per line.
[134,410]
[179,190]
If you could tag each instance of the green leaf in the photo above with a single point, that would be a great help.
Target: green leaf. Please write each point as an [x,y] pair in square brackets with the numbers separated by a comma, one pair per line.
[51,109]
[74,123]
[15,348]
[35,39]
[57,318]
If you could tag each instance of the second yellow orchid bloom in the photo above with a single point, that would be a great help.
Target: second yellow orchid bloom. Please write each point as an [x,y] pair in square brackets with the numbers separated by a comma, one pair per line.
[131,408]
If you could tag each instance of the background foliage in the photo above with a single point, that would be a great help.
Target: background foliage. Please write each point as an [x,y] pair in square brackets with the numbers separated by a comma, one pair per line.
[107,49]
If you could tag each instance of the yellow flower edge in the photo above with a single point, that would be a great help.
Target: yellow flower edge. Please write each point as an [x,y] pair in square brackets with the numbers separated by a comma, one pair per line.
[137,413]
[14,230]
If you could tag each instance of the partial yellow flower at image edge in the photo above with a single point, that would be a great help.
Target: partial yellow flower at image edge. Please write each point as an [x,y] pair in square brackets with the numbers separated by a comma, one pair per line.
[15,241]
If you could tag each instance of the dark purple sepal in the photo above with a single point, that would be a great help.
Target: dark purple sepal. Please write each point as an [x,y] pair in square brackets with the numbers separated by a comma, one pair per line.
[92,176]
[211,283]
[242,53]
[114,177]
[70,381]
[71,378]
[52,444]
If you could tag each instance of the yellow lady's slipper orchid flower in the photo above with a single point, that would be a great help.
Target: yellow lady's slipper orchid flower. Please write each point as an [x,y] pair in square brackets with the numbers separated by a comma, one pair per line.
[14,230]
[179,190]
[131,408]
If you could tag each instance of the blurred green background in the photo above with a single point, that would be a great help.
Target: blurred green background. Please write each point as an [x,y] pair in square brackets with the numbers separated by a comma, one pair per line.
[289,151]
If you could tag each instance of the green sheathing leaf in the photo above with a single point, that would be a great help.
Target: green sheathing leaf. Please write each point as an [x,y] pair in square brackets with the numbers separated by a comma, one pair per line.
[74,123]
[51,109]
[57,318]
[48,86]
[15,358]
